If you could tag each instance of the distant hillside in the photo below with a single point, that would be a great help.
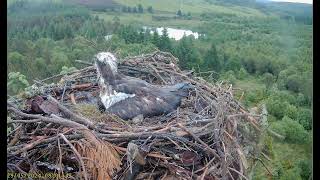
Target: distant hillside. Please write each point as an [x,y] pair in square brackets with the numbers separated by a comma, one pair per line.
[298,11]
[96,4]
[254,8]
[194,7]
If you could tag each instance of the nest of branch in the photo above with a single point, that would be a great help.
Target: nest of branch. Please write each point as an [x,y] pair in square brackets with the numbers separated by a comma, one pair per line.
[59,129]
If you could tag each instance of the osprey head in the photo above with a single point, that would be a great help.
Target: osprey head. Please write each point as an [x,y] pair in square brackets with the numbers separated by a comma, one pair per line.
[106,58]
[106,65]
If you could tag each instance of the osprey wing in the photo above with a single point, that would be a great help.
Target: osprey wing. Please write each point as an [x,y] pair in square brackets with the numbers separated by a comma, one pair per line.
[133,86]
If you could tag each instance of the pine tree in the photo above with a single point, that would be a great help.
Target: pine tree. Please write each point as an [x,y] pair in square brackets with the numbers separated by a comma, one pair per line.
[147,35]
[141,36]
[165,43]
[156,38]
[211,60]
[150,9]
[179,13]
[188,56]
[135,10]
[115,23]
[124,9]
[140,8]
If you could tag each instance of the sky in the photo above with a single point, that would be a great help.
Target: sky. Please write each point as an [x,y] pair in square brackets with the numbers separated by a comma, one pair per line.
[300,1]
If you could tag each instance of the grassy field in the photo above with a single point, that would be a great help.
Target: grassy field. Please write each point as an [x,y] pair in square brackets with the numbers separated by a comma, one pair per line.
[95,3]
[195,7]
[147,20]
[249,84]
[284,153]
[168,9]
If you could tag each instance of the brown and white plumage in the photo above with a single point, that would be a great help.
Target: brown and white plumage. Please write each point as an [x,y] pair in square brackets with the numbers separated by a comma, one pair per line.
[128,97]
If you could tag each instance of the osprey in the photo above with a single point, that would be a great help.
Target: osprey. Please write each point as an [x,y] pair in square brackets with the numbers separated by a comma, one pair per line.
[129,97]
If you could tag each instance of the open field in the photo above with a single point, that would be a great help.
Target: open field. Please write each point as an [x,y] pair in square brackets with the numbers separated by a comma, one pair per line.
[147,20]
[172,6]
[95,3]
[167,9]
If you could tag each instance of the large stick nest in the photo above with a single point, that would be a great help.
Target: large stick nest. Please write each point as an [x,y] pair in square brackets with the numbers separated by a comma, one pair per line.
[59,129]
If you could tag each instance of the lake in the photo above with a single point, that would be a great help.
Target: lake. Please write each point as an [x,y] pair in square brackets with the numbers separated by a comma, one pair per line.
[176,34]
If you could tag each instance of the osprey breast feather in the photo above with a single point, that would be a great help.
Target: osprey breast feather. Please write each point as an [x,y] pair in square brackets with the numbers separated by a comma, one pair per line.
[128,97]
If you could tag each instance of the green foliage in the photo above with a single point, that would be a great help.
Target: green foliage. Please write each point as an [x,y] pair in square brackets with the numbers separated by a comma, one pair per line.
[124,9]
[140,8]
[297,80]
[291,159]
[305,166]
[242,74]
[58,60]
[165,43]
[304,117]
[278,170]
[156,39]
[292,130]
[135,49]
[307,86]
[276,107]
[301,100]
[134,10]
[211,60]
[231,64]
[123,49]
[229,77]
[16,82]
[293,83]
[130,34]
[179,13]
[58,22]
[186,52]
[268,79]
[150,9]
[250,65]
[255,96]
[272,119]
[66,69]
[284,96]
[291,112]
[293,173]
[269,146]
[15,61]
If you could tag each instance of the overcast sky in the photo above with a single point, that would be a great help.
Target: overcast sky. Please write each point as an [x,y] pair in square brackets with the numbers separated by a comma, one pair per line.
[301,1]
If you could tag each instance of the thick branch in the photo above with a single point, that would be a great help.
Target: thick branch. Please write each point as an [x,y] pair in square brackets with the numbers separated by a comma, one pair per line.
[61,121]
[72,115]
